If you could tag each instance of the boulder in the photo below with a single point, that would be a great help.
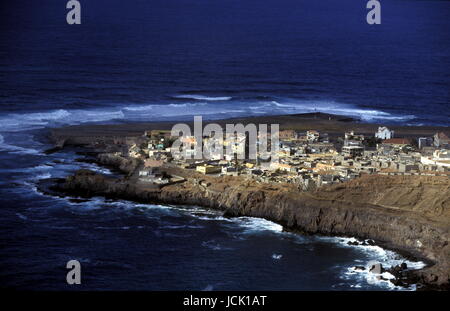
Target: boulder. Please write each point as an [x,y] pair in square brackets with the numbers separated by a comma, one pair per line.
[376,268]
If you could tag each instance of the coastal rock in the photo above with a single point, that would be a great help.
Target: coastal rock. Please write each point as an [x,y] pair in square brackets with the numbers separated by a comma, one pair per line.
[370,242]
[126,165]
[359,268]
[376,268]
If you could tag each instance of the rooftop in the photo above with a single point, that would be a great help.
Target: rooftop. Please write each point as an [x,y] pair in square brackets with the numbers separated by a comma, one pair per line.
[397,141]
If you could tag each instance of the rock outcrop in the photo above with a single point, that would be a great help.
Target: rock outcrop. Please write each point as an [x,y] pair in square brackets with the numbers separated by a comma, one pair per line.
[125,165]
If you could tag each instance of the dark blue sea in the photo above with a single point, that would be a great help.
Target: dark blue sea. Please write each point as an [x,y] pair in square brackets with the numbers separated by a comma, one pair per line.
[170,60]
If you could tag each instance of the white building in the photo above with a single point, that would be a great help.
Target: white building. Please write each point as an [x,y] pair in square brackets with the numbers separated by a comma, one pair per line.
[384,133]
[312,136]
[441,140]
[439,158]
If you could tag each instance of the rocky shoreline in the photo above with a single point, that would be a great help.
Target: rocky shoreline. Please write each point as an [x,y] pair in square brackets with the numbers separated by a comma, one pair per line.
[323,212]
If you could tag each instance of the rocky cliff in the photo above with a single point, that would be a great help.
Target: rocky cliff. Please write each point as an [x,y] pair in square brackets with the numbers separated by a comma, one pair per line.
[125,165]
[406,213]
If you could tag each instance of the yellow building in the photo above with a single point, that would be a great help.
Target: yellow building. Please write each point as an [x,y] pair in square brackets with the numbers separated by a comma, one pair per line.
[282,167]
[324,167]
[208,169]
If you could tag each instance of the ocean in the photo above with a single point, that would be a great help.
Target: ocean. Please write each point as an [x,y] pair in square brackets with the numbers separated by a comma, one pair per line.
[170,60]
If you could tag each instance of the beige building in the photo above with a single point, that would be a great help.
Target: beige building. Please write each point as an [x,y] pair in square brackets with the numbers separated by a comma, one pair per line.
[208,169]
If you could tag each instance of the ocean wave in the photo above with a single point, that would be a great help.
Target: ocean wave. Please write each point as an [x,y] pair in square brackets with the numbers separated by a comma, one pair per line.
[176,227]
[114,228]
[212,244]
[178,105]
[249,225]
[332,107]
[37,120]
[92,116]
[202,216]
[141,107]
[28,121]
[166,110]
[17,149]
[252,225]
[41,167]
[380,280]
[377,254]
[171,111]
[96,168]
[41,176]
[386,257]
[282,105]
[52,115]
[202,97]
[288,106]
[21,216]
[208,288]
[276,256]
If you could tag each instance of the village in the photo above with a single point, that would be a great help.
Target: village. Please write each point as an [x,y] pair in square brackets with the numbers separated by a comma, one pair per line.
[308,159]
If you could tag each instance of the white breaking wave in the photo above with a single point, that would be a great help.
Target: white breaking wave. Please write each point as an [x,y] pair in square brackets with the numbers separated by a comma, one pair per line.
[381,280]
[308,106]
[14,123]
[18,122]
[53,115]
[282,105]
[386,257]
[30,121]
[208,288]
[202,97]
[16,149]
[41,176]
[276,256]
[249,224]
[85,116]
[252,225]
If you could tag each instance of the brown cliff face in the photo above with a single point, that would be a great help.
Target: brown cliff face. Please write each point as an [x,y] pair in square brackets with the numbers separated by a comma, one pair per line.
[126,165]
[406,213]
[428,196]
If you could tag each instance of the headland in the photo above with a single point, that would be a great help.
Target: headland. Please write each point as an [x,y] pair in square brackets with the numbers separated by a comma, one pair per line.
[387,192]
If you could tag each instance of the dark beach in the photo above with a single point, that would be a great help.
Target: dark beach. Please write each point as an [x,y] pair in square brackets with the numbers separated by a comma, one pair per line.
[333,124]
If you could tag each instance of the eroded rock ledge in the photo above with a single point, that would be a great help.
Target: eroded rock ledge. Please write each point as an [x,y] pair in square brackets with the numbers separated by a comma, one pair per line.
[406,213]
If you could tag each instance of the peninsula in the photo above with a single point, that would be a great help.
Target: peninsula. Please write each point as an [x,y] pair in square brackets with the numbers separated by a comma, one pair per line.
[336,176]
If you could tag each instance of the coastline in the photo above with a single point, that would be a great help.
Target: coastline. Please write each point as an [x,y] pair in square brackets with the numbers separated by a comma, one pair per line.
[329,211]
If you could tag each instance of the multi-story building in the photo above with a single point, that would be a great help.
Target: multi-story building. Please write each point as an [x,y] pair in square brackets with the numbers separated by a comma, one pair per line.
[352,151]
[384,133]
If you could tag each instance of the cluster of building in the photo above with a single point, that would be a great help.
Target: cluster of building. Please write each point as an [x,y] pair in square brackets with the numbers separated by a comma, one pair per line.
[309,159]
